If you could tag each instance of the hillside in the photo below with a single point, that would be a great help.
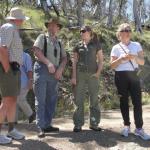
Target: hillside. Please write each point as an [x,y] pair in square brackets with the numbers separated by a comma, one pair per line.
[108,38]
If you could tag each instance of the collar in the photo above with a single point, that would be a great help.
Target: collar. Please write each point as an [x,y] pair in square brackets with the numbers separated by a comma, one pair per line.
[14,25]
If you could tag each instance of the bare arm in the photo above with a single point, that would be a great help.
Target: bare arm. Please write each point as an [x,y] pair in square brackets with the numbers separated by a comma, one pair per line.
[38,53]
[4,58]
[59,71]
[63,63]
[115,62]
[74,68]
[30,77]
[100,62]
[140,58]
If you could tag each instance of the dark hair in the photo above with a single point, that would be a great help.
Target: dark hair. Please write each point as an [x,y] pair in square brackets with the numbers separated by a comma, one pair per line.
[95,37]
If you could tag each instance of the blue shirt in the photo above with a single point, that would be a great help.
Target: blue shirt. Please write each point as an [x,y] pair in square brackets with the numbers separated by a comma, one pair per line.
[25,68]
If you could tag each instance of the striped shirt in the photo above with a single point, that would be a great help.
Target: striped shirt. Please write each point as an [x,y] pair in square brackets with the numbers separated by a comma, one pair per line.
[9,36]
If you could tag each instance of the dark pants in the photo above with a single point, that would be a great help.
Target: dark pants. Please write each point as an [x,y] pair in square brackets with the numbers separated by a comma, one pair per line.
[128,83]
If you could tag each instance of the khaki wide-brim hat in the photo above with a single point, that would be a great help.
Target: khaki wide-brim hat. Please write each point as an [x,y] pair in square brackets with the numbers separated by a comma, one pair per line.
[16,13]
[53,20]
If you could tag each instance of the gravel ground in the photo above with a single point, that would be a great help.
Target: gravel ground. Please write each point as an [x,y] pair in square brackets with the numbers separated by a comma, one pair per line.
[108,139]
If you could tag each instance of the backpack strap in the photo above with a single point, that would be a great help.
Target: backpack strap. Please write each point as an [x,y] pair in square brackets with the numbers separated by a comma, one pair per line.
[45,46]
[60,49]
[129,60]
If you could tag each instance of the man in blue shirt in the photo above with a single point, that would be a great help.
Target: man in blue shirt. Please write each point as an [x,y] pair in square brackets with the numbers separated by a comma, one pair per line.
[26,85]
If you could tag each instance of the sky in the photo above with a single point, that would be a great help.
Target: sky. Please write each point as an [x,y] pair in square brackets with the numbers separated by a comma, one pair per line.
[130,7]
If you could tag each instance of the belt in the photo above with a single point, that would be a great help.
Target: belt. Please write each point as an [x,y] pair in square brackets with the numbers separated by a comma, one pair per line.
[15,66]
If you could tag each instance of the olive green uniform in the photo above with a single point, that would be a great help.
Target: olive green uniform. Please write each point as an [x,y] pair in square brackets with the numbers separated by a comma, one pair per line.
[86,67]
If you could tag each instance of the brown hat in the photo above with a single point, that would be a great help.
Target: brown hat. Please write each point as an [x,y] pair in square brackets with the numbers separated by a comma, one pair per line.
[85,28]
[53,20]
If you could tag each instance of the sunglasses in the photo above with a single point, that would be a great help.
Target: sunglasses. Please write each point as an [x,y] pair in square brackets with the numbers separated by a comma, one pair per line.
[83,31]
[126,30]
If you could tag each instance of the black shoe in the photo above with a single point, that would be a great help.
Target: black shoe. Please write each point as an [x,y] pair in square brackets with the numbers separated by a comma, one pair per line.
[32,118]
[15,122]
[77,129]
[51,129]
[41,133]
[96,128]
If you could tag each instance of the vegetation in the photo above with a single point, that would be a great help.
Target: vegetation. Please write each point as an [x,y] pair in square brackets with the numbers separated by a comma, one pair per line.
[107,94]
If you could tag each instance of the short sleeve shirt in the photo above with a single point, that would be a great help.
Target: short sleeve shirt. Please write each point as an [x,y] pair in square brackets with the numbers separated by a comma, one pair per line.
[25,68]
[55,49]
[87,55]
[133,48]
[9,36]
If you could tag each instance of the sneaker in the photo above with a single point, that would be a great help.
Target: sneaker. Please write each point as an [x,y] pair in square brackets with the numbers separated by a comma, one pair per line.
[125,132]
[51,129]
[15,134]
[142,134]
[77,129]
[5,140]
[95,128]
[41,133]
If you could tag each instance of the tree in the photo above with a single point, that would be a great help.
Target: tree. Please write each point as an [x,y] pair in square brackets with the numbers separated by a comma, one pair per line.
[5,7]
[110,14]
[79,12]
[121,9]
[136,13]
[98,8]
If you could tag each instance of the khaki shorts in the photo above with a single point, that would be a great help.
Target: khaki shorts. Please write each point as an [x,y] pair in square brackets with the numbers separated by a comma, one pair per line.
[9,82]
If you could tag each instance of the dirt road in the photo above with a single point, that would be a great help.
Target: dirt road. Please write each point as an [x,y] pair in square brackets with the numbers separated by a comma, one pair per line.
[108,139]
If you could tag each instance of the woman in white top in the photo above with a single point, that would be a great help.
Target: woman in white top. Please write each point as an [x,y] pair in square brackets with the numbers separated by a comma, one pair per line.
[126,56]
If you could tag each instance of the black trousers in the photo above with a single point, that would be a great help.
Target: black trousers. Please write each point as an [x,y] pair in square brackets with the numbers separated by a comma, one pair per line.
[128,84]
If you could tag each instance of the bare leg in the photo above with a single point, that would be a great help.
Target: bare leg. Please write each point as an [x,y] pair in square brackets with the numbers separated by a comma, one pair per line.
[3,110]
[8,110]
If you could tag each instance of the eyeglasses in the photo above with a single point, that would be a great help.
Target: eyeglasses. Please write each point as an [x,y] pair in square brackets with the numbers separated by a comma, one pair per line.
[126,30]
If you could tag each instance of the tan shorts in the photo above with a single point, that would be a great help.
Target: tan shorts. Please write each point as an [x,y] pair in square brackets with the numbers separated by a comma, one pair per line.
[9,82]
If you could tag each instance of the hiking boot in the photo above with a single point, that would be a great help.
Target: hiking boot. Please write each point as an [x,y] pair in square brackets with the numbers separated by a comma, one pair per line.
[125,132]
[32,118]
[95,128]
[142,134]
[5,140]
[77,129]
[51,129]
[15,134]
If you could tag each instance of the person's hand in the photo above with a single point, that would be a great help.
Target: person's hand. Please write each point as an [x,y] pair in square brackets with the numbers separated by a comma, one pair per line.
[96,75]
[131,56]
[125,57]
[51,68]
[58,73]
[6,68]
[73,81]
